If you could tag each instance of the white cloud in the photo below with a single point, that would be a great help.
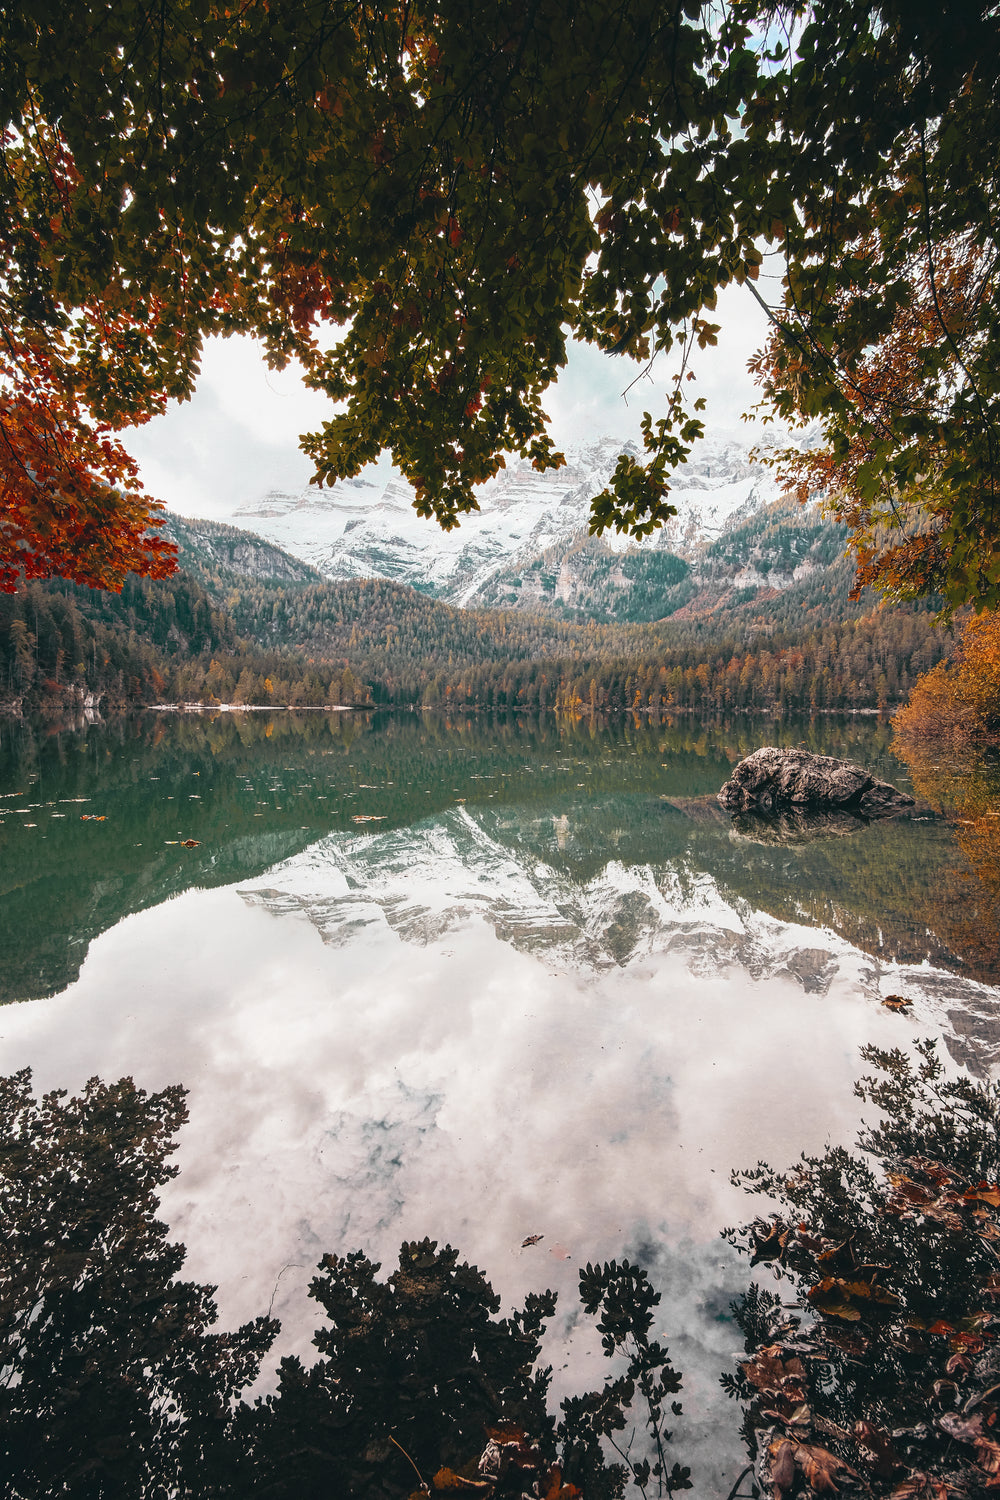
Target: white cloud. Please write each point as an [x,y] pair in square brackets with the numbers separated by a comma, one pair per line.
[238,436]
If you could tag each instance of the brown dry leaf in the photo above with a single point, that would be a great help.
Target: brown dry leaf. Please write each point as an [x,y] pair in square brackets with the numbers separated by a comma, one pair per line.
[782,1465]
[965,1429]
[908,1190]
[821,1467]
[897,1002]
[837,1297]
[189,843]
[840,1257]
[986,1192]
[934,1171]
[767,1371]
[988,1455]
[506,1432]
[855,1345]
[447,1480]
[771,1245]
[551,1486]
[875,1447]
[93,817]
[532,1239]
[920,1486]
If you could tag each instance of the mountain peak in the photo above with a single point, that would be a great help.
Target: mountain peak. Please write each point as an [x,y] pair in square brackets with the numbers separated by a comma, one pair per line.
[529,529]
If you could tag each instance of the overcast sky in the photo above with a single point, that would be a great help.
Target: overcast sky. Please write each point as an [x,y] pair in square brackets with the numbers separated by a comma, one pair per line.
[238,437]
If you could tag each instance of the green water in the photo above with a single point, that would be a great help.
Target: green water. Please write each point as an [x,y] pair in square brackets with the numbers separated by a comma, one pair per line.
[517,984]
[93,820]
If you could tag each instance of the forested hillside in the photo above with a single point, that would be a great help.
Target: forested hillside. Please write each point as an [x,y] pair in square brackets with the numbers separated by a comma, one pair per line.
[63,645]
[763,622]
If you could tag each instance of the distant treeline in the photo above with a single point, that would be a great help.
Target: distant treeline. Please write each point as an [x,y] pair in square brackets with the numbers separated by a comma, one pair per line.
[867,663]
[153,642]
[410,649]
[373,642]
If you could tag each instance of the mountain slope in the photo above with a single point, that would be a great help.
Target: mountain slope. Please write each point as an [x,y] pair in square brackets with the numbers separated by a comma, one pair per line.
[528,546]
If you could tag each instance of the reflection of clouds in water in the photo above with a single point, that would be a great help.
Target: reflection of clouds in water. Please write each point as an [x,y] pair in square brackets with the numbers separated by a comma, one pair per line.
[501,1081]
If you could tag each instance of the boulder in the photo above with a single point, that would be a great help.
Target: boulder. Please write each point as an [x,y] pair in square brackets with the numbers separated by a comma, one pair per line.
[771,779]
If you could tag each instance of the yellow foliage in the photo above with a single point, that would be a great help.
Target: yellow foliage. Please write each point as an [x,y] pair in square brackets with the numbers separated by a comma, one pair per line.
[959,698]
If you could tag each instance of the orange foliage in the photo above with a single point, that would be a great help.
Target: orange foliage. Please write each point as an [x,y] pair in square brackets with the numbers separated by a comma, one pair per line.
[959,699]
[966,790]
[912,475]
[73,371]
[71,503]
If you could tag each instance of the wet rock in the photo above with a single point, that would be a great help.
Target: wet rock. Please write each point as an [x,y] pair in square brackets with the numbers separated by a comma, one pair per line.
[771,779]
[794,825]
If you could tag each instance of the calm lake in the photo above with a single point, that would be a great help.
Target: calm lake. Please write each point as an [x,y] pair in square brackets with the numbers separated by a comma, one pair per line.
[483,981]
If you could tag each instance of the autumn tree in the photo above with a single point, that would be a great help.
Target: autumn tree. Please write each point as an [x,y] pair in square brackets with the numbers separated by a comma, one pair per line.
[873,1365]
[457,190]
[959,699]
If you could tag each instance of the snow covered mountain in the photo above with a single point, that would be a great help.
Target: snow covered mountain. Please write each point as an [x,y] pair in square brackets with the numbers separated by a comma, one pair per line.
[528,545]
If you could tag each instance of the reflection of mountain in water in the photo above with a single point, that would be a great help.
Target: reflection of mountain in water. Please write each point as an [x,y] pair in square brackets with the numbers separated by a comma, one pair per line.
[584,839]
[512,873]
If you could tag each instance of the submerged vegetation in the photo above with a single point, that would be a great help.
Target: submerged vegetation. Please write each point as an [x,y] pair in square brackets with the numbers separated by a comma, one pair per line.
[875,1366]
[117,1384]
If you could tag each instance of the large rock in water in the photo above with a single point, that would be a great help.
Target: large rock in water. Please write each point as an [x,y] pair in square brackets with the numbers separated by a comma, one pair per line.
[771,779]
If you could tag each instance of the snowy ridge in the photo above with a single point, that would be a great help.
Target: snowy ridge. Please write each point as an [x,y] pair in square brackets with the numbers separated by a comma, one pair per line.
[357,530]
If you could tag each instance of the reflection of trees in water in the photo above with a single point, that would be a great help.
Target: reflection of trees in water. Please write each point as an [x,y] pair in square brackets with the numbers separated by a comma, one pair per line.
[113,1383]
[965,909]
[877,1364]
[874,1371]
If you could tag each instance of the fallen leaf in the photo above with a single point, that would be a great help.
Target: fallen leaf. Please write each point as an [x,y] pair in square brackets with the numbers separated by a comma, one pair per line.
[897,1002]
[986,1192]
[820,1467]
[767,1371]
[554,1487]
[770,1246]
[965,1429]
[988,1455]
[532,1239]
[506,1432]
[189,843]
[875,1447]
[93,817]
[447,1479]
[920,1486]
[782,1465]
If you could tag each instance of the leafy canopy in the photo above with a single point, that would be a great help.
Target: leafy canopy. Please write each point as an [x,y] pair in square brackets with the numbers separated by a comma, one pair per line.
[456,190]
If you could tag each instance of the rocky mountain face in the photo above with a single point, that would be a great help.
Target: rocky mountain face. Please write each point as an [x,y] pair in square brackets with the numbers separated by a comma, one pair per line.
[529,547]
[216,553]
